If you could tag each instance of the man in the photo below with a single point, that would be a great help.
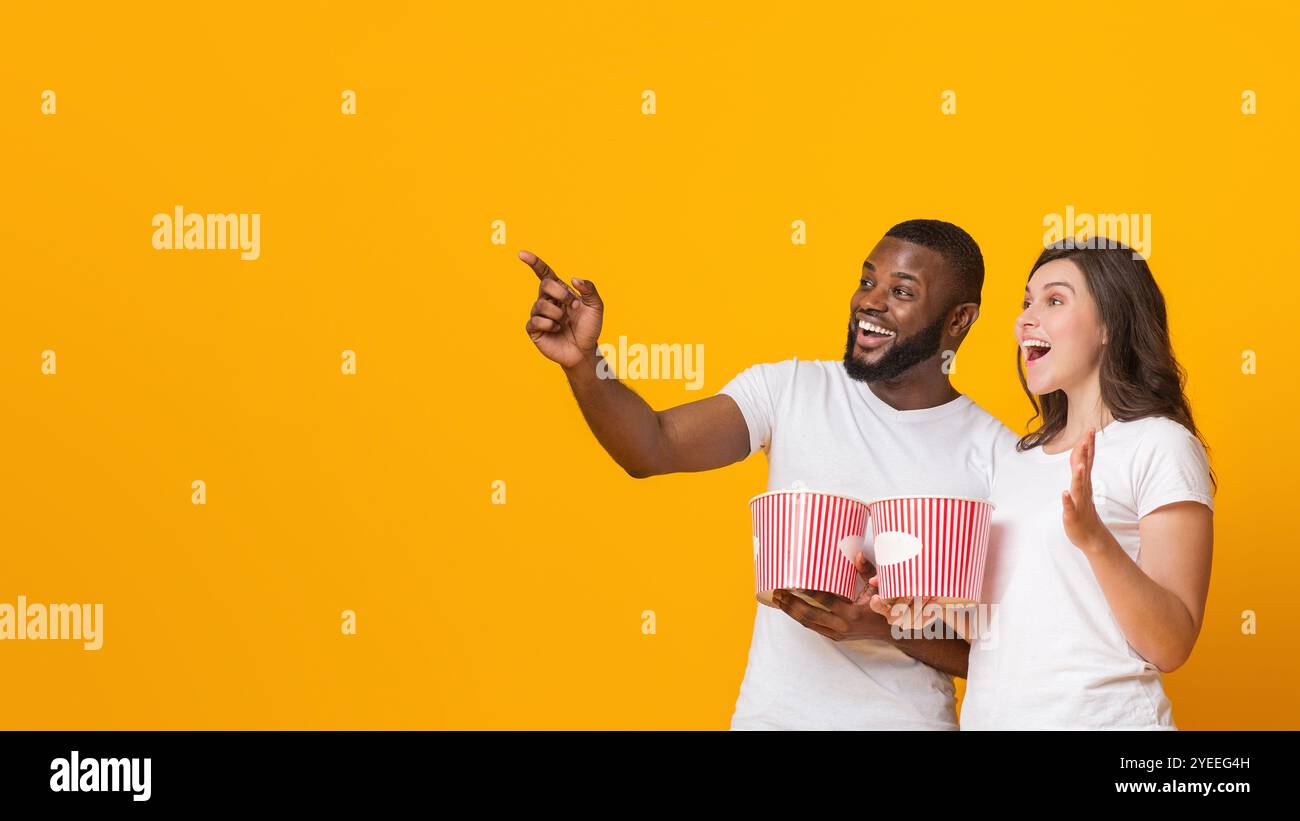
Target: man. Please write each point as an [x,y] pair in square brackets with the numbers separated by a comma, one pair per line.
[883,421]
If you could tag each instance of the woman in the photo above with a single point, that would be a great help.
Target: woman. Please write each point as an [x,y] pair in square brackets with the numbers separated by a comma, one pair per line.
[1099,560]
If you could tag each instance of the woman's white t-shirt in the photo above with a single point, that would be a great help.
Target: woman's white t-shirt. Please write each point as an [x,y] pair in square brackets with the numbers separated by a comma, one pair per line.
[1051,654]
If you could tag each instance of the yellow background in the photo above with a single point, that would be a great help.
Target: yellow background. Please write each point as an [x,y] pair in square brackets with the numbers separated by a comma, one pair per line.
[373,492]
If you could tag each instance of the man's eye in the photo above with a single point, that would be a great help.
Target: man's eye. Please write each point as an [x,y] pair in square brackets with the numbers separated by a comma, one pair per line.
[902,292]
[866,283]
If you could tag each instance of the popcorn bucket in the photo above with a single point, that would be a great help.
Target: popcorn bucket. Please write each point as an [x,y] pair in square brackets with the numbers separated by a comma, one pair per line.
[931,546]
[806,540]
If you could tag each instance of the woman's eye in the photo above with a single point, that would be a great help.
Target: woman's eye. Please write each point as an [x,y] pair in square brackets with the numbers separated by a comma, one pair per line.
[1056,301]
[1025,306]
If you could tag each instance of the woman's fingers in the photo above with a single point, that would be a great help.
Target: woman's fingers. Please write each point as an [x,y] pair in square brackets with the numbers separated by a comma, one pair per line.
[933,612]
[1067,507]
[901,614]
[884,608]
[917,611]
[915,618]
[898,614]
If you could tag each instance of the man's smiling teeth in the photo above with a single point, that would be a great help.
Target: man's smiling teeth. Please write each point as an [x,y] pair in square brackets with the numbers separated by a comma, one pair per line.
[874,329]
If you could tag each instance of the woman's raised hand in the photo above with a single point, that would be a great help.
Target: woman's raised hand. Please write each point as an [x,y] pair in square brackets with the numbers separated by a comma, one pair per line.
[1082,523]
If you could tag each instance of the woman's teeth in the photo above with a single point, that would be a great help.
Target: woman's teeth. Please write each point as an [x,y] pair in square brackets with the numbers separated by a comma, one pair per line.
[874,329]
[1035,349]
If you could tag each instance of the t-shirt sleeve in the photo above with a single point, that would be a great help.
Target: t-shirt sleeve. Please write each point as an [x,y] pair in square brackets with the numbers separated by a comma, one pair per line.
[757,391]
[1001,447]
[1171,466]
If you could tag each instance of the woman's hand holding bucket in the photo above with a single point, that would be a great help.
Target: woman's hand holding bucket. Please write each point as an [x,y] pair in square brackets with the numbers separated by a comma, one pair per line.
[916,614]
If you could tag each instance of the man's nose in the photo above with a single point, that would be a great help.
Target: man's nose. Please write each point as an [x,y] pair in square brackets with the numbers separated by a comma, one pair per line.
[873,301]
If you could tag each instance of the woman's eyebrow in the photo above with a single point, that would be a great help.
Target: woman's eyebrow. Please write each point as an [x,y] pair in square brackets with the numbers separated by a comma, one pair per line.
[1047,285]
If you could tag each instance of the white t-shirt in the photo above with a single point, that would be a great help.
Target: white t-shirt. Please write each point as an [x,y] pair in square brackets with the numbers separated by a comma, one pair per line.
[1052,655]
[829,432]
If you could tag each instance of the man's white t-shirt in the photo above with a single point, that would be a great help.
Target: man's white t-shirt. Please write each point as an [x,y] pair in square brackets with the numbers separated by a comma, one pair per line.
[1052,655]
[826,431]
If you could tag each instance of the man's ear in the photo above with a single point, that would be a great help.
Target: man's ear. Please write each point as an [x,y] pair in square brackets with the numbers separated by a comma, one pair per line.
[963,316]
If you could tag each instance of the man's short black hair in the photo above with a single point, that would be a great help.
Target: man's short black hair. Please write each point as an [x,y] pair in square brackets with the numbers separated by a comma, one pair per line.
[957,248]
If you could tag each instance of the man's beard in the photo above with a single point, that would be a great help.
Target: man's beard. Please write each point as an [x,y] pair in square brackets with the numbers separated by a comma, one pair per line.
[902,354]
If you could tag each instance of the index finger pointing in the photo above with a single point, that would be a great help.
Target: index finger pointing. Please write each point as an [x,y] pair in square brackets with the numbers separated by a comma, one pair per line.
[535,262]
[543,271]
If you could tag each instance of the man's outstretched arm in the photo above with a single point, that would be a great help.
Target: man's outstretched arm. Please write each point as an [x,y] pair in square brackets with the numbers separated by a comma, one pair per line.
[702,435]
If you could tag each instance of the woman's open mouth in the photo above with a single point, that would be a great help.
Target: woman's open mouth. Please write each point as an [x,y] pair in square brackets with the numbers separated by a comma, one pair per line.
[1035,349]
[871,335]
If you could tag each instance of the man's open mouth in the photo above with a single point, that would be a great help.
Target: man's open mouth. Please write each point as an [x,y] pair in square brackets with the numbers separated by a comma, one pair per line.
[1035,349]
[871,335]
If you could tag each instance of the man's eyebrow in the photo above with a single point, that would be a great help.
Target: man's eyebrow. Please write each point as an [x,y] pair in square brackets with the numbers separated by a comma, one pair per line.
[899,274]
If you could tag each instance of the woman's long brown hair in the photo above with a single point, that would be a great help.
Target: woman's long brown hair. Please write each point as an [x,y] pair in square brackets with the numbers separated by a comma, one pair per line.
[1139,375]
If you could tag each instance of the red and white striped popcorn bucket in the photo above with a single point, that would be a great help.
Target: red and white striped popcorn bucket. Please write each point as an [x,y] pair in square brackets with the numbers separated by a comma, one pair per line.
[806,540]
[931,546]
